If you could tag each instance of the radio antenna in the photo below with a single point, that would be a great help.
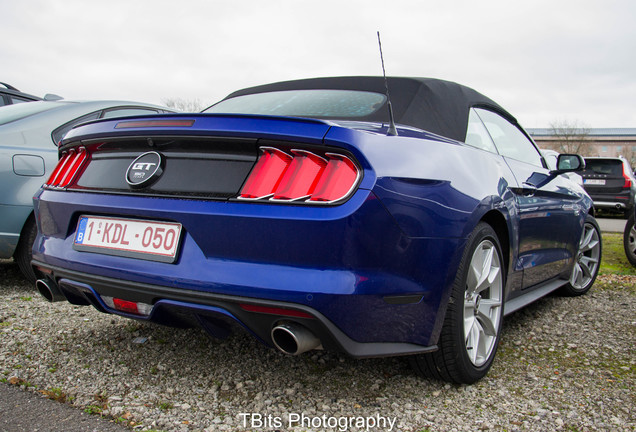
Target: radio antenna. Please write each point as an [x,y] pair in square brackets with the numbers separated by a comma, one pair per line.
[392,130]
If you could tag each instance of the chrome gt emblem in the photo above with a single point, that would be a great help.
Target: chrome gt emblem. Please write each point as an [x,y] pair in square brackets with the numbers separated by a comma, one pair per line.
[145,170]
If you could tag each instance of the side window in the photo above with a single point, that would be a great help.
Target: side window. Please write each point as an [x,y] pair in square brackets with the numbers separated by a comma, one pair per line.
[477,135]
[510,141]
[59,133]
[124,112]
[15,100]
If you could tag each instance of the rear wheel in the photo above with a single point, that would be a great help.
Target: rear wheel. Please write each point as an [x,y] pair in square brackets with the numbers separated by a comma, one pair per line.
[23,252]
[587,260]
[629,240]
[472,325]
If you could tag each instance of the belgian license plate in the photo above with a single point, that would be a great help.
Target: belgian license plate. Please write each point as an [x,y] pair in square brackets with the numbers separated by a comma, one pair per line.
[594,182]
[149,240]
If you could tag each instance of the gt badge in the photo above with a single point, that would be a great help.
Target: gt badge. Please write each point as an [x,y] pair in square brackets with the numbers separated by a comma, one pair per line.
[145,170]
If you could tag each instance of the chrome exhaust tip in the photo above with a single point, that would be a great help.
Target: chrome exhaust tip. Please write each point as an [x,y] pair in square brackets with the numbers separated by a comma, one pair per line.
[49,290]
[294,339]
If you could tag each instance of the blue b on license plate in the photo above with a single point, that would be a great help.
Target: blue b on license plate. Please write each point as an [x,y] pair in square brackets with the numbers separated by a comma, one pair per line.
[149,240]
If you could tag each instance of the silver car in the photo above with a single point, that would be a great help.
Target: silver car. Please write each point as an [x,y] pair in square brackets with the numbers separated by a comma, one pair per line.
[29,134]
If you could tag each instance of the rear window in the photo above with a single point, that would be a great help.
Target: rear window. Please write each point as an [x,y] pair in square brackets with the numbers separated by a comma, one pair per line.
[11,113]
[611,167]
[304,103]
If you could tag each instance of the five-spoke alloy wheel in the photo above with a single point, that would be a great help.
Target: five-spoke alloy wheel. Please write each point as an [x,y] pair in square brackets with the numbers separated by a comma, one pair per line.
[587,260]
[482,302]
[472,325]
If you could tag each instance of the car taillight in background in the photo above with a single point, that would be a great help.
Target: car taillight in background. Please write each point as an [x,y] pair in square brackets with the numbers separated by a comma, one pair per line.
[300,176]
[67,168]
[628,180]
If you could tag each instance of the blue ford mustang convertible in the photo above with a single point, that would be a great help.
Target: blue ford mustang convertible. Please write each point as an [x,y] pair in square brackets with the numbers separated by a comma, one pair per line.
[300,212]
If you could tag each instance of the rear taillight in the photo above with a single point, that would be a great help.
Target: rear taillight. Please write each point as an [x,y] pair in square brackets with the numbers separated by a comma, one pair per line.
[266,174]
[67,168]
[628,180]
[301,176]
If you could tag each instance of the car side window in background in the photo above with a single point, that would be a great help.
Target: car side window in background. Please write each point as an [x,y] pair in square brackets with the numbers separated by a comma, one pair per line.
[16,100]
[59,133]
[124,112]
[510,141]
[477,135]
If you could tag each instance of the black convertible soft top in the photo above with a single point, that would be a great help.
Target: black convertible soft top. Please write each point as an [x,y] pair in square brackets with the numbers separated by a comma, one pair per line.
[434,105]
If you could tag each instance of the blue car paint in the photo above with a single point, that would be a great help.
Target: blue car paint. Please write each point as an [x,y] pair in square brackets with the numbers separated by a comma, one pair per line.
[417,203]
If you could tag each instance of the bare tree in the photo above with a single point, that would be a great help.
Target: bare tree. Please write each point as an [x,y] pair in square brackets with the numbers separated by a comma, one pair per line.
[183,105]
[570,137]
[629,154]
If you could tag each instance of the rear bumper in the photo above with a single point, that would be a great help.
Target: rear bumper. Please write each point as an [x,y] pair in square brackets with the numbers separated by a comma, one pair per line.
[351,265]
[616,201]
[217,314]
[617,205]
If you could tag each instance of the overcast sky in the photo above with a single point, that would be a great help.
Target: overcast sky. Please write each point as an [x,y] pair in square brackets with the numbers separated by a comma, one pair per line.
[543,60]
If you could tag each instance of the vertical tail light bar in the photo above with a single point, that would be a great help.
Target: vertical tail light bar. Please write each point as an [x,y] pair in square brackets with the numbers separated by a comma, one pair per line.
[338,180]
[628,180]
[266,174]
[59,170]
[67,168]
[301,176]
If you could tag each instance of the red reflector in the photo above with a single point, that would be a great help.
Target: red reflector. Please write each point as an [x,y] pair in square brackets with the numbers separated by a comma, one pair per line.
[154,123]
[43,270]
[126,306]
[275,311]
[301,177]
[338,179]
[266,174]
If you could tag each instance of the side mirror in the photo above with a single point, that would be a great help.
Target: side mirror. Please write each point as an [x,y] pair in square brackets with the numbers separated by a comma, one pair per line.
[569,163]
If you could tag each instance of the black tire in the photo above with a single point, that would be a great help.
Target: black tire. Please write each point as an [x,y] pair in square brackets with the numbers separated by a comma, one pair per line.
[452,362]
[629,240]
[587,261]
[24,251]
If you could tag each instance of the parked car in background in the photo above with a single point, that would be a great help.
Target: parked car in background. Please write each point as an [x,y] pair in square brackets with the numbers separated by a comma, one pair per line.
[611,184]
[297,211]
[629,238]
[29,133]
[10,95]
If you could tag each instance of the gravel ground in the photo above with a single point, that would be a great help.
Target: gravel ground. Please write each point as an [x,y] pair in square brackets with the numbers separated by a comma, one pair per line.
[564,364]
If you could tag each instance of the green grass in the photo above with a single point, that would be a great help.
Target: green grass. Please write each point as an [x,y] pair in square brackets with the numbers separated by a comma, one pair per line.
[93,409]
[614,261]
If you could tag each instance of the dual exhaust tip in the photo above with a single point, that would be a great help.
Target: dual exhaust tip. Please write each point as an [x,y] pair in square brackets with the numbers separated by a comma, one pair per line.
[294,339]
[49,290]
[289,338]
